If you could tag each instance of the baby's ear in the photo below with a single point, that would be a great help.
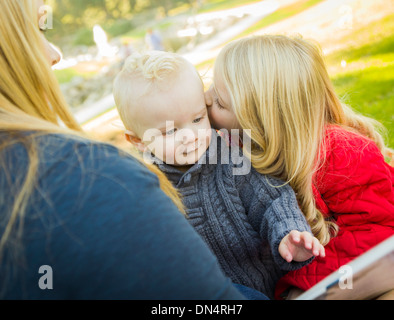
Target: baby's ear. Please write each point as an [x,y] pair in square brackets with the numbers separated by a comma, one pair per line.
[134,140]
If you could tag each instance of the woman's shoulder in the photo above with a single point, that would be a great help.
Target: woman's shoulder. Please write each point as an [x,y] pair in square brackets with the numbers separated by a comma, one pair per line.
[70,148]
[66,156]
[53,143]
[65,142]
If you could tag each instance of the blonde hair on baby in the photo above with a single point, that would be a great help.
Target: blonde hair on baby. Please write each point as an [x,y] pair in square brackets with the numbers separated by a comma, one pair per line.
[141,74]
[280,89]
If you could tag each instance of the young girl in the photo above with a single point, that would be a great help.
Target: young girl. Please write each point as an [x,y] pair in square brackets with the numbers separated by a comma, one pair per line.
[279,88]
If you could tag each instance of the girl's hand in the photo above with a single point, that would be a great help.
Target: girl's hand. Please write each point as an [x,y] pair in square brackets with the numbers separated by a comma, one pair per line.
[300,246]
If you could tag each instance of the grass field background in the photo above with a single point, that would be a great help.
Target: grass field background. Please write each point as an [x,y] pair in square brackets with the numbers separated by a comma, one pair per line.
[361,68]
[366,82]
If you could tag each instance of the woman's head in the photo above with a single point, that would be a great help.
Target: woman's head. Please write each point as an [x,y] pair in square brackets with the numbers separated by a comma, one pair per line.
[31,100]
[28,87]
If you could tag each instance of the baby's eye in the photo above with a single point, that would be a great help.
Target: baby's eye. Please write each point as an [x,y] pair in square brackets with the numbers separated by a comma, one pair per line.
[198,120]
[170,132]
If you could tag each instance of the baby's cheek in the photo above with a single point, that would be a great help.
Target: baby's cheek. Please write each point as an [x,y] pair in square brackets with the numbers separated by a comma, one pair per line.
[156,147]
[169,149]
[208,137]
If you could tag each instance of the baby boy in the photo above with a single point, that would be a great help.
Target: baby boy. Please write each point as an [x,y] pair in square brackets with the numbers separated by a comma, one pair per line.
[251,222]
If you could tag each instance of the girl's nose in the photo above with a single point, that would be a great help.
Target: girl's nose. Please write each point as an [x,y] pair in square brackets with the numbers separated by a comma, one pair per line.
[55,57]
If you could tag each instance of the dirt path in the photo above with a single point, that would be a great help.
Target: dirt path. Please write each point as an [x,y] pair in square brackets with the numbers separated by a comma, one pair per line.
[331,20]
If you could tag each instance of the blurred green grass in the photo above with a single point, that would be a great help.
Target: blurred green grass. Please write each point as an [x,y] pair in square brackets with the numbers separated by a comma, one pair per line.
[366,80]
[215,5]
[66,75]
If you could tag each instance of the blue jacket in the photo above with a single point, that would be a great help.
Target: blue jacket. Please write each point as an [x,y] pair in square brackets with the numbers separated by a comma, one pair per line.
[99,227]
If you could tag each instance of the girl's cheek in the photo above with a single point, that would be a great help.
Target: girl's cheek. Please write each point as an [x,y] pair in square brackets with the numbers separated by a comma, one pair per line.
[214,117]
[211,114]
[222,121]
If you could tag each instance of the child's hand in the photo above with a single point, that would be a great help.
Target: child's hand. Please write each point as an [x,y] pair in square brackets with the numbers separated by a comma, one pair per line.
[300,246]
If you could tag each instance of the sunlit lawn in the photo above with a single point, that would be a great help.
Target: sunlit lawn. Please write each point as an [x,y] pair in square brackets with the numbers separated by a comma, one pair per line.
[215,5]
[66,75]
[366,82]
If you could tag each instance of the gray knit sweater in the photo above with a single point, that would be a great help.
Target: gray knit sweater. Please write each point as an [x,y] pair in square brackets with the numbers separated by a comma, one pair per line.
[242,218]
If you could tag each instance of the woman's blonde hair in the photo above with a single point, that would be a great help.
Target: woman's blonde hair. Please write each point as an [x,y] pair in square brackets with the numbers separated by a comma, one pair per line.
[280,89]
[31,100]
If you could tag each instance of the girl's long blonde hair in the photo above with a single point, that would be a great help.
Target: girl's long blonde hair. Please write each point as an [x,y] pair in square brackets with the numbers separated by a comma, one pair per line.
[31,100]
[280,89]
